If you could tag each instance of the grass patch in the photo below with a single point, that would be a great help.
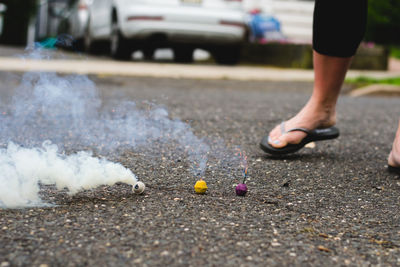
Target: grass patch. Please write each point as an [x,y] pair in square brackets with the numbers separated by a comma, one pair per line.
[365,81]
[395,51]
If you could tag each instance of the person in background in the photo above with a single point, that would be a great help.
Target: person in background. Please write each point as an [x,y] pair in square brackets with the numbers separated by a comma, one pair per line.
[338,28]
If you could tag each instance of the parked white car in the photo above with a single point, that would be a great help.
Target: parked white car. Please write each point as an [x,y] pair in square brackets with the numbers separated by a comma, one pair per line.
[218,26]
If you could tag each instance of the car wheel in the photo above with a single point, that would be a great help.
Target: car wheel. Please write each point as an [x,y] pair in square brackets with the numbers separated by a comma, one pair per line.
[94,47]
[119,47]
[89,45]
[227,55]
[183,54]
[87,41]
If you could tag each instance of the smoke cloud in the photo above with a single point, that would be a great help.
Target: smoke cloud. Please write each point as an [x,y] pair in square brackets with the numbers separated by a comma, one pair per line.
[49,115]
[22,170]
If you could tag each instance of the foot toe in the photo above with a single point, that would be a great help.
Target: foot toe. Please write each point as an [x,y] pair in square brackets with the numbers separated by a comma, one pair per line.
[392,161]
[286,138]
[277,142]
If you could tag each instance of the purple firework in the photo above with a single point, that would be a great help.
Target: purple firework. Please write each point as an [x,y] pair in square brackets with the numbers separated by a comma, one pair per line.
[241,190]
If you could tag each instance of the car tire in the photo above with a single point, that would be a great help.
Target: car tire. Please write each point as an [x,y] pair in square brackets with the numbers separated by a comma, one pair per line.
[90,46]
[119,46]
[183,54]
[87,41]
[227,55]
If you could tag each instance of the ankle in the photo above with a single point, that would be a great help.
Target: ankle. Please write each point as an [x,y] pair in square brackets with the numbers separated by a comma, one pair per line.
[322,115]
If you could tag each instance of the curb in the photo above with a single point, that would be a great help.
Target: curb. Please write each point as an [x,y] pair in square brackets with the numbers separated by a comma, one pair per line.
[171,70]
[376,89]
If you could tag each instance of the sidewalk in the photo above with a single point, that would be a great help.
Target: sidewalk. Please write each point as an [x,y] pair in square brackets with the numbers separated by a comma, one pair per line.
[79,64]
[171,70]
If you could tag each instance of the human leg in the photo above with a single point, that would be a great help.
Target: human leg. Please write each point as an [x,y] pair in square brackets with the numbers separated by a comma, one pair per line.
[394,156]
[334,45]
[320,110]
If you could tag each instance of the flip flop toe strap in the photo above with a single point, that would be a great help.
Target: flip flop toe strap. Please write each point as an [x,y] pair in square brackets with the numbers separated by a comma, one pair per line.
[283,130]
[299,129]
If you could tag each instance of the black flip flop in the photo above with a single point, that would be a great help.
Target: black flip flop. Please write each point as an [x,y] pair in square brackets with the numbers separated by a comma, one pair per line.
[312,136]
[395,170]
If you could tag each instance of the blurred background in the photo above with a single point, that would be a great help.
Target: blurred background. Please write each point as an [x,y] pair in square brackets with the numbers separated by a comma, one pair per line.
[269,32]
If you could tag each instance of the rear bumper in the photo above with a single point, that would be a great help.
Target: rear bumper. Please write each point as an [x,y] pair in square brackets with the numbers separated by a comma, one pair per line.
[179,32]
[189,25]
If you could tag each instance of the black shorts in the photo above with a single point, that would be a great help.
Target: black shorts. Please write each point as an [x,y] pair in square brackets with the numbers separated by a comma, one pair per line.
[339,26]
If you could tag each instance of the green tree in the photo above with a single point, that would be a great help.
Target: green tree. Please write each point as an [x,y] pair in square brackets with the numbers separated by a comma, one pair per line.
[16,20]
[383,22]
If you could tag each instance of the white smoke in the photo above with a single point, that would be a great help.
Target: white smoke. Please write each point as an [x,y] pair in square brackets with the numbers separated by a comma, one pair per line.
[23,169]
[49,114]
[69,111]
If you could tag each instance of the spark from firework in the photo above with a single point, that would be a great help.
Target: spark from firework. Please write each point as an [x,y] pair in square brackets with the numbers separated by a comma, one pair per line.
[243,162]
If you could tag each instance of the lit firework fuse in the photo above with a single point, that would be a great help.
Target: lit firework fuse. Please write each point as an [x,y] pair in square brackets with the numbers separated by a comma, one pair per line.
[241,189]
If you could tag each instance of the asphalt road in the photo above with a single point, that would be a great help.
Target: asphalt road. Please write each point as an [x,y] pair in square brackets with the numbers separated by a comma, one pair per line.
[334,204]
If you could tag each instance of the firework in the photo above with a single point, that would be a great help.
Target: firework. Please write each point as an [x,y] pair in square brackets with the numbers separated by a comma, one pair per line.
[138,188]
[241,189]
[200,187]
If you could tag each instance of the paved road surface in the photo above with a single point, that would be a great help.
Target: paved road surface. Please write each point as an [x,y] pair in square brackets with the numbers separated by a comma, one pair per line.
[334,204]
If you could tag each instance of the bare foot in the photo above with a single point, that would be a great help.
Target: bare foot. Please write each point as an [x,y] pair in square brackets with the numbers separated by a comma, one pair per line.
[394,156]
[310,117]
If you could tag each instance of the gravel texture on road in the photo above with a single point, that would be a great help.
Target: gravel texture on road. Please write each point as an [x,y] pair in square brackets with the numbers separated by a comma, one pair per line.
[329,205]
